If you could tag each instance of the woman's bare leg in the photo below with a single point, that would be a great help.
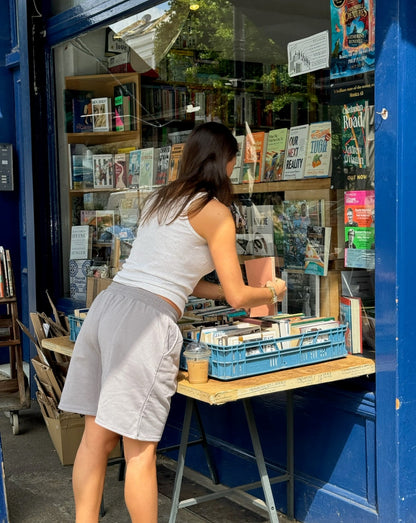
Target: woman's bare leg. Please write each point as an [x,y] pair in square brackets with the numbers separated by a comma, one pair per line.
[89,469]
[140,491]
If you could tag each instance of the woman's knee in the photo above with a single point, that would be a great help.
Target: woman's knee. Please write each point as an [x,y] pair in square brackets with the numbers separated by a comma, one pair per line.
[99,438]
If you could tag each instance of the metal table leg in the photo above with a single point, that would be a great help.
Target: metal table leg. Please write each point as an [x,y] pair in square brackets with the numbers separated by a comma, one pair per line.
[265,481]
[181,459]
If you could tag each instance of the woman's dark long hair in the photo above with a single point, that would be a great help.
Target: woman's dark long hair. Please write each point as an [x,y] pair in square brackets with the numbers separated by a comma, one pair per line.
[203,166]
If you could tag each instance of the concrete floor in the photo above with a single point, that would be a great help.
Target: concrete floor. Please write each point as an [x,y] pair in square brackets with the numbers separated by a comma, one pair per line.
[38,487]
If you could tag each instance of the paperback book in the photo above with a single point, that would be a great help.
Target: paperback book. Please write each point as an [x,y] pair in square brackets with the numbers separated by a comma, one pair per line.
[294,165]
[81,242]
[101,114]
[162,169]
[82,171]
[147,167]
[120,170]
[318,240]
[275,155]
[175,160]
[302,293]
[103,165]
[319,151]
[254,155]
[350,315]
[236,176]
[259,271]
[134,169]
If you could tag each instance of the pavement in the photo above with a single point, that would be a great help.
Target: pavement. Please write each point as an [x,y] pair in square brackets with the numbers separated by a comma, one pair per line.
[38,487]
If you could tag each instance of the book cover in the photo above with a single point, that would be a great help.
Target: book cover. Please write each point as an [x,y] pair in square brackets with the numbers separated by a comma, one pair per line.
[359,229]
[147,167]
[118,109]
[103,165]
[319,151]
[302,293]
[175,160]
[82,171]
[82,114]
[129,91]
[134,169]
[350,315]
[120,170]
[318,240]
[259,271]
[162,168]
[81,242]
[262,229]
[104,221]
[297,216]
[236,175]
[294,165]
[78,270]
[254,154]
[101,114]
[275,155]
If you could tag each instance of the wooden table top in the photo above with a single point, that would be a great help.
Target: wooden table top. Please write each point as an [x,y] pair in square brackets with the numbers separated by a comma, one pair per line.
[217,392]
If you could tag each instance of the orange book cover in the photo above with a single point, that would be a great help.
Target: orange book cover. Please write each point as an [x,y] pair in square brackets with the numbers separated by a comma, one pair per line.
[259,271]
[254,157]
[175,160]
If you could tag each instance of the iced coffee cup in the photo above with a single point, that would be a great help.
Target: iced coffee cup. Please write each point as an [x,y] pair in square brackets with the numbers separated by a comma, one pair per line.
[197,359]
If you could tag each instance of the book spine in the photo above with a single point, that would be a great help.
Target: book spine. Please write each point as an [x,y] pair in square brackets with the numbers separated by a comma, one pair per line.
[2,286]
[9,272]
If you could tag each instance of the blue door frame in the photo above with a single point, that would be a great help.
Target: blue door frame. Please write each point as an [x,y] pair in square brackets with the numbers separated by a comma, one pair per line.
[395,190]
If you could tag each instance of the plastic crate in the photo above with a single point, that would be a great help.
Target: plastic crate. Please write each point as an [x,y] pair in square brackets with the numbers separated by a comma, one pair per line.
[75,325]
[262,356]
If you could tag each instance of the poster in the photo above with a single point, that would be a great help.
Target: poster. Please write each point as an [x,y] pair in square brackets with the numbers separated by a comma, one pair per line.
[352,37]
[359,218]
[308,54]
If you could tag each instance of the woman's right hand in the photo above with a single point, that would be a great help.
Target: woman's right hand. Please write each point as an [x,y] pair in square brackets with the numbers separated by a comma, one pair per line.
[279,286]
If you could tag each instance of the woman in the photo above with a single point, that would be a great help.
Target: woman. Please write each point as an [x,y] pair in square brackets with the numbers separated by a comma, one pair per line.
[124,367]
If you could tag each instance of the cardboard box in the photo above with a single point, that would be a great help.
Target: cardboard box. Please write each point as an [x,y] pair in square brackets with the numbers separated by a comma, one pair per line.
[65,430]
[94,287]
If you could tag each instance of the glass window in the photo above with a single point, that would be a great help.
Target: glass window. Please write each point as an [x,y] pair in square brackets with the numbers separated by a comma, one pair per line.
[297,91]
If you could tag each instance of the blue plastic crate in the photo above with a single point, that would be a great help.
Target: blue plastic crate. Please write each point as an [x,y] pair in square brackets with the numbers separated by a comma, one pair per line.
[75,325]
[262,356]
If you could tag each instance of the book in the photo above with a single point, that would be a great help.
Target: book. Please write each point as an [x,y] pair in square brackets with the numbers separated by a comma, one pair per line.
[175,160]
[350,315]
[236,175]
[9,273]
[275,155]
[262,229]
[103,165]
[69,96]
[147,167]
[120,170]
[134,169]
[297,216]
[82,113]
[162,168]
[104,223]
[319,151]
[302,294]
[129,91]
[259,271]
[295,153]
[359,229]
[82,171]
[122,106]
[3,291]
[254,155]
[101,114]
[318,240]
[81,242]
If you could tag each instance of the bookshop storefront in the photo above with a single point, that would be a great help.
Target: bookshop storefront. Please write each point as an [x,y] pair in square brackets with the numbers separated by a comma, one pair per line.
[313,92]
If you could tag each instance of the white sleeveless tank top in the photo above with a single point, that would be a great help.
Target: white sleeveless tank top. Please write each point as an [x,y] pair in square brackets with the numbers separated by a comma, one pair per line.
[168,260]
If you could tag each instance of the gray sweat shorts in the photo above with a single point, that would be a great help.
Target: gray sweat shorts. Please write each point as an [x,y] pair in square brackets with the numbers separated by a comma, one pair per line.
[125,363]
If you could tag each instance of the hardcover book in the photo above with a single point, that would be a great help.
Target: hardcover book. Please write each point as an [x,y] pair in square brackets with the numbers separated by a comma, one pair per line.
[350,315]
[147,167]
[175,160]
[82,171]
[275,155]
[319,151]
[302,293]
[162,169]
[101,114]
[120,170]
[236,175]
[82,114]
[134,169]
[259,271]
[103,165]
[254,154]
[318,240]
[295,154]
